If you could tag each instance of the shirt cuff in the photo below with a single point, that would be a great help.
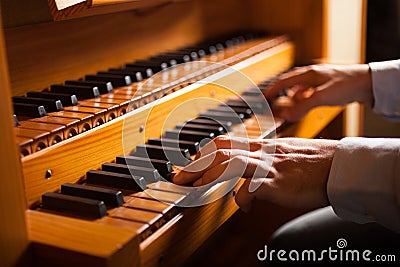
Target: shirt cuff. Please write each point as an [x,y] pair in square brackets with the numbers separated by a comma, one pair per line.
[364,181]
[385,86]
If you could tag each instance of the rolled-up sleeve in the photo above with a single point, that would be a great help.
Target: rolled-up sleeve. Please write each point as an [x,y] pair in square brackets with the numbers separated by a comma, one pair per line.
[386,88]
[364,182]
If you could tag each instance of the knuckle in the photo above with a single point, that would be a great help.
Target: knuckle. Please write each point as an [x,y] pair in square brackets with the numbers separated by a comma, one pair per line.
[223,154]
[312,69]
[239,160]
[220,139]
[279,148]
[317,98]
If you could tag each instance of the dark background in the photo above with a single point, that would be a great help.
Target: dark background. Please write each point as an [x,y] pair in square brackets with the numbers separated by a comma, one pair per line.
[383,43]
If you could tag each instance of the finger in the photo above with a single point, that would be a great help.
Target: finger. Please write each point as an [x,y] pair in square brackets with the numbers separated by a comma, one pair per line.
[225,142]
[321,96]
[302,92]
[216,173]
[197,168]
[236,167]
[301,76]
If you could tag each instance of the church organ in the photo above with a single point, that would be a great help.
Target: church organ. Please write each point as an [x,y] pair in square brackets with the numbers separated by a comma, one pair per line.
[91,44]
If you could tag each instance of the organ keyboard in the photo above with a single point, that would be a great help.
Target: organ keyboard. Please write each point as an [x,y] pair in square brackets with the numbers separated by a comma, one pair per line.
[99,139]
[119,104]
[93,110]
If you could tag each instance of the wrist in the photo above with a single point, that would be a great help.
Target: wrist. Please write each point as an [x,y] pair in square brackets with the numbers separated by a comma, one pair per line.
[366,95]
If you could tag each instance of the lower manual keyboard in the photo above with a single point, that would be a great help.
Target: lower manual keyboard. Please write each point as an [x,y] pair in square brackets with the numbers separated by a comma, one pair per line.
[133,190]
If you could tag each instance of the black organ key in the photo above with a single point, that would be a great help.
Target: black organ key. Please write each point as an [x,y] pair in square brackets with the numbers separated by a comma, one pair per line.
[189,135]
[159,63]
[29,110]
[226,125]
[154,66]
[66,99]
[113,198]
[253,92]
[237,104]
[146,72]
[136,76]
[179,57]
[103,87]
[172,59]
[217,130]
[199,50]
[219,46]
[163,167]
[229,43]
[115,180]
[224,116]
[117,80]
[81,91]
[76,206]
[50,105]
[194,55]
[176,156]
[191,52]
[242,104]
[254,101]
[202,53]
[192,146]
[245,111]
[151,175]
[212,49]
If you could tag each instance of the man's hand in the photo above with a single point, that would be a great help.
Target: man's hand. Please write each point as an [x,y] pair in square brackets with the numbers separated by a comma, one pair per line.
[322,85]
[297,177]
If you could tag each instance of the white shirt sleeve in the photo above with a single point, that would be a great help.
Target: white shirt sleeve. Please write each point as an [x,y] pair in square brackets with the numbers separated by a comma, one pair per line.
[364,181]
[386,88]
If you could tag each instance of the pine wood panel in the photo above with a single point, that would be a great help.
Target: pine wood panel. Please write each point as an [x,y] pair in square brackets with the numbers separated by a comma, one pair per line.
[312,123]
[302,20]
[94,7]
[43,54]
[84,243]
[13,239]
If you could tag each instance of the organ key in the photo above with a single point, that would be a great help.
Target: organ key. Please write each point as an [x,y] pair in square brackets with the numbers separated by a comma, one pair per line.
[29,110]
[150,174]
[192,146]
[163,167]
[49,104]
[116,180]
[110,197]
[77,206]
[66,99]
[81,91]
[102,86]
[176,156]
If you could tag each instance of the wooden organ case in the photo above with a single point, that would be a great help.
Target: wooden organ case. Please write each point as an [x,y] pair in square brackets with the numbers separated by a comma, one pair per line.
[42,46]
